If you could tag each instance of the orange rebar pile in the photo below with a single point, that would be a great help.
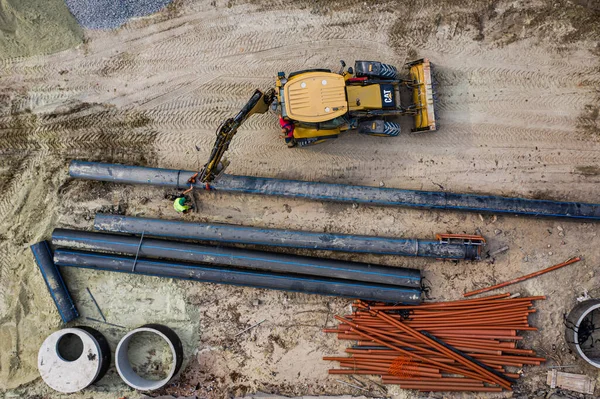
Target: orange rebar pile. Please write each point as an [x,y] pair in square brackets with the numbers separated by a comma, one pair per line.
[482,331]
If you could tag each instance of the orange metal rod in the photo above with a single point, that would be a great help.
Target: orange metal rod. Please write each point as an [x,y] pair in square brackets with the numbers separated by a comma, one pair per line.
[469,335]
[447,380]
[377,352]
[456,306]
[523,359]
[488,328]
[520,310]
[370,356]
[503,313]
[390,336]
[432,383]
[385,365]
[480,346]
[491,326]
[385,369]
[500,308]
[469,364]
[487,342]
[466,317]
[500,330]
[449,303]
[411,343]
[507,344]
[472,340]
[471,349]
[466,388]
[505,331]
[510,307]
[471,330]
[516,351]
[524,309]
[493,363]
[442,386]
[416,363]
[523,278]
[436,380]
[494,348]
[489,321]
[355,337]
[476,305]
[442,366]
[379,362]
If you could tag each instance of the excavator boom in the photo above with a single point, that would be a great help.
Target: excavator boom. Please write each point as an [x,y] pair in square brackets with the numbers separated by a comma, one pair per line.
[258,104]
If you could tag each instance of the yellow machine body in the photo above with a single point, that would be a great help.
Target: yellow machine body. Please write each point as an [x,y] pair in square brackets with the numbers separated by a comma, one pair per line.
[321,104]
[315,97]
[364,97]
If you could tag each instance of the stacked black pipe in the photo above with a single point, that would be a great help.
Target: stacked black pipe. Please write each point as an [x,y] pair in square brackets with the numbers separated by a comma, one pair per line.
[235,266]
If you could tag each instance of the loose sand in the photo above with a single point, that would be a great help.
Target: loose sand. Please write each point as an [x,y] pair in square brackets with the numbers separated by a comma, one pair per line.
[36,27]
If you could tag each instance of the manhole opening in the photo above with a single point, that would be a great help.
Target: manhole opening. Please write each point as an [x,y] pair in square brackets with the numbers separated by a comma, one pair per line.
[69,347]
[150,356]
[588,335]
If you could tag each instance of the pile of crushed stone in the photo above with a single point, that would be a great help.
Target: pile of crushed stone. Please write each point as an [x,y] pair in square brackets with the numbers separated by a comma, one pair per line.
[110,14]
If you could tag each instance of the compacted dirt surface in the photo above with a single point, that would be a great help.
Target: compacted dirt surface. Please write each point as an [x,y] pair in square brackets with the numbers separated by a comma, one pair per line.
[518,104]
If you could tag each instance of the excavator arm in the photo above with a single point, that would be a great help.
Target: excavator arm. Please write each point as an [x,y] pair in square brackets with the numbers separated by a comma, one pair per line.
[258,104]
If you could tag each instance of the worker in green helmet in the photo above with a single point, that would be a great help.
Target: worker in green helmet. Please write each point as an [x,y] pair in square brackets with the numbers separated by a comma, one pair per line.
[181,204]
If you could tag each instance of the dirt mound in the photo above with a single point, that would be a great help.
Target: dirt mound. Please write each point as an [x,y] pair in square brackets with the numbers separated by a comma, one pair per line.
[35,27]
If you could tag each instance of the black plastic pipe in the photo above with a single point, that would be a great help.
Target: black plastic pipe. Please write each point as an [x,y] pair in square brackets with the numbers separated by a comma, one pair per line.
[337,192]
[235,257]
[57,287]
[220,275]
[226,233]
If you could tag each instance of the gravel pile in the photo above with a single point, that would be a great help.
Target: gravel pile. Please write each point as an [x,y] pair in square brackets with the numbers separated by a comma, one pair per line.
[110,14]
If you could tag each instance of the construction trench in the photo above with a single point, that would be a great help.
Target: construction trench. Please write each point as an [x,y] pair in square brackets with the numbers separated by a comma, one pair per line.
[461,262]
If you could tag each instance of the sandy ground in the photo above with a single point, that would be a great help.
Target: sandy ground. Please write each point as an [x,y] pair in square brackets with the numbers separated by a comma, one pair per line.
[32,27]
[518,105]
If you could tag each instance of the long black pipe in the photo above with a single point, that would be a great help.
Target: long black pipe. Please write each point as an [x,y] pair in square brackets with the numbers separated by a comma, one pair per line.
[227,233]
[54,281]
[219,275]
[337,192]
[235,257]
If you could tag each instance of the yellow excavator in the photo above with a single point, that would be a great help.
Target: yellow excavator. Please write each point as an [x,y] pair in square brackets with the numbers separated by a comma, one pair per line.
[316,105]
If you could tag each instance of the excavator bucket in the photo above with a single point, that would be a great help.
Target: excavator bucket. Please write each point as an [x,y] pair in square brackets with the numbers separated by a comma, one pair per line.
[420,74]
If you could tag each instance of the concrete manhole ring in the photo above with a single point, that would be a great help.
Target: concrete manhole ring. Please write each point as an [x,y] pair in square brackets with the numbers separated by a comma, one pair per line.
[125,368]
[71,359]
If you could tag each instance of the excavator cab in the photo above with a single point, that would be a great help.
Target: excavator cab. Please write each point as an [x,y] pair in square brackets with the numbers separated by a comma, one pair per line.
[321,104]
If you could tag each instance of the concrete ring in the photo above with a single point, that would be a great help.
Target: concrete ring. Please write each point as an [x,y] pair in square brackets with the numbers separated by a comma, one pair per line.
[125,369]
[71,359]
[573,322]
